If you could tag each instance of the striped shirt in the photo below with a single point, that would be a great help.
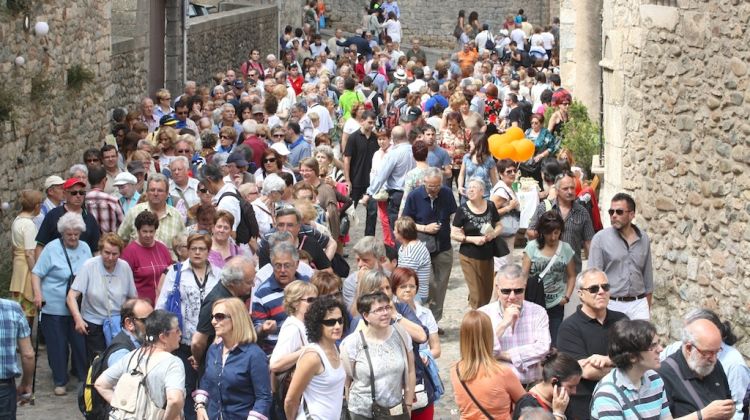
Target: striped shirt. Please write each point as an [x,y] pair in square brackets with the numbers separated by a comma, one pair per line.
[268,303]
[106,210]
[416,256]
[13,327]
[647,402]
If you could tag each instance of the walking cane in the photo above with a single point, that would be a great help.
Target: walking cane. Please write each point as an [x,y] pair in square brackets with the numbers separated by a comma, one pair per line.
[32,399]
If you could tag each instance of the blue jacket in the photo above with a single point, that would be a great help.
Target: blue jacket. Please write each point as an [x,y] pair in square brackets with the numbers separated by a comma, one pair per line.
[241,387]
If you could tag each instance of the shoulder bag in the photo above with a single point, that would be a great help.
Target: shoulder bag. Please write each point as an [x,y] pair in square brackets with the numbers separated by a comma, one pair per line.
[379,412]
[466,388]
[535,284]
[72,276]
[688,385]
[174,299]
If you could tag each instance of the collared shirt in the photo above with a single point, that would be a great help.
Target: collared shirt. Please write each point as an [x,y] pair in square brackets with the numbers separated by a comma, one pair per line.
[237,127]
[229,203]
[103,292]
[129,203]
[152,123]
[578,227]
[628,266]
[110,188]
[115,356]
[526,342]
[170,224]
[581,336]
[268,303]
[47,205]
[298,151]
[710,388]
[239,385]
[439,158]
[52,268]
[426,210]
[189,193]
[13,327]
[105,209]
[48,231]
[392,173]
[646,401]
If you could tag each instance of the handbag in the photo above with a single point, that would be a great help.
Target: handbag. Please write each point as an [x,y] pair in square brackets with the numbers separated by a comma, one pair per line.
[72,276]
[535,284]
[430,241]
[499,247]
[381,195]
[379,412]
[174,299]
[466,388]
[457,31]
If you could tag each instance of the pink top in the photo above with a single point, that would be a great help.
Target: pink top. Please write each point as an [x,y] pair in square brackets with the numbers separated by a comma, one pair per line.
[147,264]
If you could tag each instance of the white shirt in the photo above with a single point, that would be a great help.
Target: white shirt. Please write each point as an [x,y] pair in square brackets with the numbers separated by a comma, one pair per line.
[548,40]
[229,203]
[416,85]
[536,38]
[393,29]
[263,216]
[326,123]
[189,193]
[481,40]
[519,36]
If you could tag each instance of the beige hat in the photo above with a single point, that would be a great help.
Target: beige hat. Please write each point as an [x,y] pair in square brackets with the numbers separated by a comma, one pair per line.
[125,178]
[52,181]
[280,148]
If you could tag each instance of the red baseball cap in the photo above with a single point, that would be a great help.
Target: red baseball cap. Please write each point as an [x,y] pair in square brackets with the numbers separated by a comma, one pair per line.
[73,181]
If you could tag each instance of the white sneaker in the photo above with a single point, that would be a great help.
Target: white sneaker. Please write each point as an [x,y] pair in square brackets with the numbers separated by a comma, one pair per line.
[60,391]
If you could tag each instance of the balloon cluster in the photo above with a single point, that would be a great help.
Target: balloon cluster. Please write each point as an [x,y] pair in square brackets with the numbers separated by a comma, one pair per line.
[511,145]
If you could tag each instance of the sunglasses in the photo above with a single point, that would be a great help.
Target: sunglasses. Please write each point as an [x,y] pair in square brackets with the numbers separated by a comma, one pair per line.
[308,300]
[79,192]
[595,288]
[619,212]
[183,151]
[333,321]
[518,291]
[271,160]
[565,103]
[220,316]
[509,171]
[278,135]
[92,160]
[203,190]
[225,137]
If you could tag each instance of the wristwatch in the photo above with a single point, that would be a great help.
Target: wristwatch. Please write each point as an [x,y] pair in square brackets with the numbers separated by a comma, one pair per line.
[399,317]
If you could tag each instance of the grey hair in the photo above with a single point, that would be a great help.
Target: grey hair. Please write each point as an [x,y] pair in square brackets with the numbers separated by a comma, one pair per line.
[370,245]
[71,221]
[279,237]
[326,150]
[695,315]
[143,143]
[477,180]
[218,88]
[78,167]
[289,211]
[233,274]
[181,159]
[227,106]
[157,177]
[432,172]
[588,272]
[285,248]
[272,183]
[220,159]
[510,272]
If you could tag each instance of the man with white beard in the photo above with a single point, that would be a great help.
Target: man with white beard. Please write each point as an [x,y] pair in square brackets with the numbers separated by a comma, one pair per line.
[694,380]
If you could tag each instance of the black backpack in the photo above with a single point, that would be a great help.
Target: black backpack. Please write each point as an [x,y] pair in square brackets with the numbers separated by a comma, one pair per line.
[91,404]
[248,227]
[490,45]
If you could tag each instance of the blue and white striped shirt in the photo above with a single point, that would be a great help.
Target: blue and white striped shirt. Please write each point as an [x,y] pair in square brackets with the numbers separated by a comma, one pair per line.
[648,400]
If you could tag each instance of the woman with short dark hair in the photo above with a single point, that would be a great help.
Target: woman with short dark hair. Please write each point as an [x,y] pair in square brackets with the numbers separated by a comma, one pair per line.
[561,374]
[147,257]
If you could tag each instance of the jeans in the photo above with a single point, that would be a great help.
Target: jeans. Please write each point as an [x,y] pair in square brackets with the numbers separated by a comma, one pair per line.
[95,343]
[62,342]
[191,379]
[555,316]
[394,204]
[8,400]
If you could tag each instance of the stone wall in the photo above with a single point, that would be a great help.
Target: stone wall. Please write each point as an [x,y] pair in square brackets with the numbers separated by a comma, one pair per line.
[676,108]
[129,70]
[46,133]
[222,41]
[580,52]
[432,21]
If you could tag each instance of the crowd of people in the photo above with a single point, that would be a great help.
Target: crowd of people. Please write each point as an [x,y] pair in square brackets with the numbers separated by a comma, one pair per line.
[195,265]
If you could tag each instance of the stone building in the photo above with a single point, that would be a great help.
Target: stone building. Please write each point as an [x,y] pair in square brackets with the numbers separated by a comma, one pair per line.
[675,93]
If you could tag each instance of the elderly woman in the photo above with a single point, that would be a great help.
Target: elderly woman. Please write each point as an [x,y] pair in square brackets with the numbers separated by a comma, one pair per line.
[23,234]
[147,257]
[327,164]
[161,339]
[378,362]
[235,384]
[51,278]
[227,139]
[320,375]
[265,205]
[223,246]
[475,227]
[192,280]
[455,138]
[413,254]
[405,283]
[105,282]
[163,103]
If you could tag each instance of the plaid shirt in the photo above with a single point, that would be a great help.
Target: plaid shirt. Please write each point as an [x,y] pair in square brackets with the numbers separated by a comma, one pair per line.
[526,343]
[13,326]
[105,209]
[170,224]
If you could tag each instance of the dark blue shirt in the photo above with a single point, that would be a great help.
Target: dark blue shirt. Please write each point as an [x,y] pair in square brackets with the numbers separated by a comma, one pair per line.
[48,231]
[241,386]
[420,207]
[439,158]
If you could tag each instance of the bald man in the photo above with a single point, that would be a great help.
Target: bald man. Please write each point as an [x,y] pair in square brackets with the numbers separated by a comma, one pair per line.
[694,380]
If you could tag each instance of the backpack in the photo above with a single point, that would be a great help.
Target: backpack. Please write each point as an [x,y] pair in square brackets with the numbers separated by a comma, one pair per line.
[526,110]
[490,45]
[393,116]
[91,404]
[248,227]
[131,399]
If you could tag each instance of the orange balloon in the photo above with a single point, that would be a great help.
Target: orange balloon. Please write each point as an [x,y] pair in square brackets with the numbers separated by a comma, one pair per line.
[505,151]
[524,150]
[493,142]
[515,133]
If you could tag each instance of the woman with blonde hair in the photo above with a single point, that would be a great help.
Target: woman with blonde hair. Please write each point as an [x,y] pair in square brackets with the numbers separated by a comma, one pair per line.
[163,106]
[285,103]
[482,386]
[23,238]
[166,138]
[236,382]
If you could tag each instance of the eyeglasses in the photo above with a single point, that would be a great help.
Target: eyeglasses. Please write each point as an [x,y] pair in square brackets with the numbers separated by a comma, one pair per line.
[509,171]
[706,353]
[278,135]
[223,136]
[92,160]
[198,249]
[309,299]
[565,103]
[184,151]
[203,190]
[382,310]
[269,160]
[220,316]
[518,291]
[595,288]
[284,266]
[332,321]
[619,212]
[77,192]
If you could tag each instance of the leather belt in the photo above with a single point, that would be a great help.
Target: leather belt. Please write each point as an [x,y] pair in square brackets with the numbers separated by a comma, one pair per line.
[628,298]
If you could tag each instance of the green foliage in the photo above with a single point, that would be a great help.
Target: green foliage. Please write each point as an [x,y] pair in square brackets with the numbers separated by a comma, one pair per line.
[79,76]
[581,136]
[6,104]
[41,87]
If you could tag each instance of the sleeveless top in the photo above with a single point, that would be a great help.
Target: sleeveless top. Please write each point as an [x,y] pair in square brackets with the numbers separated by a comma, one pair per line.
[325,392]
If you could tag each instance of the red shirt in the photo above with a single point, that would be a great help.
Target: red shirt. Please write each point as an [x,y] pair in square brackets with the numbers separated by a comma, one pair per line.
[297,84]
[258,147]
